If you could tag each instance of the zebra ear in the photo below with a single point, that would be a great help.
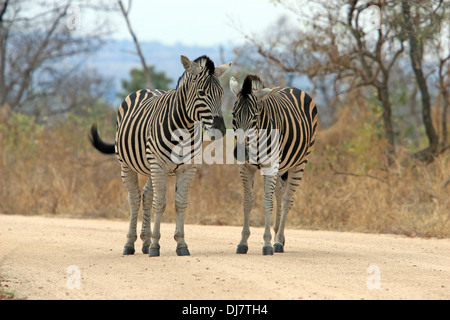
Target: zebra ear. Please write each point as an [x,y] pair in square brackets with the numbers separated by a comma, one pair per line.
[220,70]
[190,66]
[234,86]
[263,94]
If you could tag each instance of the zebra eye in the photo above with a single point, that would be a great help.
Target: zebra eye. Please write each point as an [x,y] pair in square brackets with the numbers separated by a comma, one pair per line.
[201,93]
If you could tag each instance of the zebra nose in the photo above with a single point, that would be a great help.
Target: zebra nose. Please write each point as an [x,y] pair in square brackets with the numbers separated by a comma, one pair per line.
[219,124]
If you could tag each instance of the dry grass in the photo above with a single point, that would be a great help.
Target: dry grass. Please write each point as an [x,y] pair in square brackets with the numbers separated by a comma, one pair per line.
[54,171]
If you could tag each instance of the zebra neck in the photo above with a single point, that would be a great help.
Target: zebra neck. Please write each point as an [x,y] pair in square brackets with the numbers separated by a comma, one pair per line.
[184,105]
[266,118]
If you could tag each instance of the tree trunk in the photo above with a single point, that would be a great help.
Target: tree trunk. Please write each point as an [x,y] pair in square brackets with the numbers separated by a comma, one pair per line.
[383,96]
[445,98]
[420,78]
[3,37]
[148,78]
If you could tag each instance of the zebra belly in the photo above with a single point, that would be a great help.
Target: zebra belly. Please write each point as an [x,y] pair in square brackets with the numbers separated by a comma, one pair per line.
[138,163]
[168,166]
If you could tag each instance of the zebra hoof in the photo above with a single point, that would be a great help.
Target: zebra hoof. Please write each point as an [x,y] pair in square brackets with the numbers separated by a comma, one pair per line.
[242,249]
[267,251]
[278,247]
[128,251]
[145,249]
[183,252]
[153,252]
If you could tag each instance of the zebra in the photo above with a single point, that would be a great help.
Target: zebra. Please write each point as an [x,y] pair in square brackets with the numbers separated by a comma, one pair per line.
[293,115]
[146,122]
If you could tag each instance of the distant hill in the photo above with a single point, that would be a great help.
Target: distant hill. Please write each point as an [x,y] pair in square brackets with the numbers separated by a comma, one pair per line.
[117,57]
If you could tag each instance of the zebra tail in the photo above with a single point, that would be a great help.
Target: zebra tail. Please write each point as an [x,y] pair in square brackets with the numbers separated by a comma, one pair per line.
[97,142]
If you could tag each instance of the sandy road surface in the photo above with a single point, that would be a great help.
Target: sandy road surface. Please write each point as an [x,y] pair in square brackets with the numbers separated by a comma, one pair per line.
[36,254]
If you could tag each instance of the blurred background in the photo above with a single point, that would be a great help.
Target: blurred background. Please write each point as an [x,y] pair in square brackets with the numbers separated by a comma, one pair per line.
[378,71]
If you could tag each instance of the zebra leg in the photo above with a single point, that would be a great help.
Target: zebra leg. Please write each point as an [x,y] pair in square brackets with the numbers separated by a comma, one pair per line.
[184,179]
[247,176]
[269,188]
[147,201]
[159,178]
[279,191]
[294,177]
[130,180]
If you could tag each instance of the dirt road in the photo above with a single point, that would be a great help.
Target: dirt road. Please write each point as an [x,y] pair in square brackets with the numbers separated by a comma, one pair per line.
[58,258]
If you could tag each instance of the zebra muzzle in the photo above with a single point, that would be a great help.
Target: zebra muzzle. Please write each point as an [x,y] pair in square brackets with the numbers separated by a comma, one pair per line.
[219,124]
[241,153]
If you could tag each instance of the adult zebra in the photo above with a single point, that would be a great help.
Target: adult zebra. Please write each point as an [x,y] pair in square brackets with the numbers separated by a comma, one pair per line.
[292,114]
[145,140]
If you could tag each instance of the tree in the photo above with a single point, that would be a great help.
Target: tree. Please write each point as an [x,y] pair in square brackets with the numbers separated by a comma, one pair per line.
[80,93]
[344,45]
[36,47]
[359,44]
[149,82]
[419,28]
[444,84]
[138,81]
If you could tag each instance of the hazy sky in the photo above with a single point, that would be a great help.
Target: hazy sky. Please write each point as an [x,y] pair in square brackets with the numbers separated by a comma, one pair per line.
[198,22]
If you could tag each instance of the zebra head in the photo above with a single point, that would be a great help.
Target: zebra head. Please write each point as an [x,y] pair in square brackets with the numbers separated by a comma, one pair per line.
[248,105]
[246,111]
[205,93]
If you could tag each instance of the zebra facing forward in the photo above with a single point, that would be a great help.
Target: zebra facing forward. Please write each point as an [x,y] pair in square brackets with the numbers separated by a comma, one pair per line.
[144,144]
[293,115]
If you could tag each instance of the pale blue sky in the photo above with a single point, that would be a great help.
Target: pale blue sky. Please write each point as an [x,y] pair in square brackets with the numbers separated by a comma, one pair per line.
[198,22]
[190,22]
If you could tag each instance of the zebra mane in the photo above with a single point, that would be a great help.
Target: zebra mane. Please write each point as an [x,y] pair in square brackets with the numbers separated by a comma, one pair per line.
[251,82]
[203,61]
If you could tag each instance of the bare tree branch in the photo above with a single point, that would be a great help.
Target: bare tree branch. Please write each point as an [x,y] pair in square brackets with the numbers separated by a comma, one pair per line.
[355,174]
[36,58]
[136,43]
[32,46]
[3,10]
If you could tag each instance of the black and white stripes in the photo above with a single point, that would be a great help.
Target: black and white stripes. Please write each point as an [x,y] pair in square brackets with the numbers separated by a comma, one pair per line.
[292,114]
[144,144]
[158,135]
